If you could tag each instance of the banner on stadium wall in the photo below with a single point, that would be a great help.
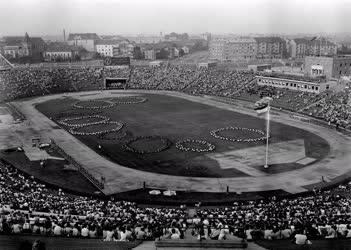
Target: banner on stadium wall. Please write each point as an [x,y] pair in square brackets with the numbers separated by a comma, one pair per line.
[116,83]
[117,61]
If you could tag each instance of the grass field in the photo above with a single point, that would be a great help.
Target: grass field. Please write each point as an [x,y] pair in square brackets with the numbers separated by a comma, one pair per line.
[177,119]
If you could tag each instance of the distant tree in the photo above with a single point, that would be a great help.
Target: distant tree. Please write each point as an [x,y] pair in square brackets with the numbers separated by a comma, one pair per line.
[98,56]
[181,52]
[184,36]
[199,45]
[77,57]
[59,59]
[344,50]
[162,54]
[137,54]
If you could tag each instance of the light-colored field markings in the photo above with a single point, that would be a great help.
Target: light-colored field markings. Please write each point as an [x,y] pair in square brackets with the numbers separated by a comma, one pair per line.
[7,140]
[4,111]
[5,116]
[244,159]
[306,160]
[36,154]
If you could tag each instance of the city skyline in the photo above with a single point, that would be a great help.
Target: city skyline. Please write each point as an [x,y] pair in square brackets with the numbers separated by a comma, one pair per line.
[38,17]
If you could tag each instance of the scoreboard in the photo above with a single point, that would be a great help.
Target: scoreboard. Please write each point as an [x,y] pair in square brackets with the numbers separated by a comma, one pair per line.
[117,61]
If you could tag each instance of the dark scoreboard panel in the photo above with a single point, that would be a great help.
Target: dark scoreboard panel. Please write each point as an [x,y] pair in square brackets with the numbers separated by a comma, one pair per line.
[117,61]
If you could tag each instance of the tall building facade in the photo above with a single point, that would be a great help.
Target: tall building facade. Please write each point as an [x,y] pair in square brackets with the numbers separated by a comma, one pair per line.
[301,47]
[85,40]
[150,54]
[322,47]
[114,48]
[232,49]
[270,47]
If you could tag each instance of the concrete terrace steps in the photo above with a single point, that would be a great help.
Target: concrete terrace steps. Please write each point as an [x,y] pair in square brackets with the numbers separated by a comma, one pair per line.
[196,244]
[15,242]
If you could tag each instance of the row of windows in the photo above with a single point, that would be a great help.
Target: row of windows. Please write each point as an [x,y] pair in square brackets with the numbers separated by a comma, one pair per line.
[57,55]
[287,84]
[345,64]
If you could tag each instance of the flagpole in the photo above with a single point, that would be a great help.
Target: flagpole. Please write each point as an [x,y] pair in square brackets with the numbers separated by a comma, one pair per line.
[267,134]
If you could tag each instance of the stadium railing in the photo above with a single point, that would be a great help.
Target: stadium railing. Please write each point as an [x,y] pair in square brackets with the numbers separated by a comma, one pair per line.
[82,170]
[16,113]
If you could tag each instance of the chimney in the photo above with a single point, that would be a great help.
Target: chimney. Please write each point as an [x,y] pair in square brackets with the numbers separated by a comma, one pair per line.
[64,35]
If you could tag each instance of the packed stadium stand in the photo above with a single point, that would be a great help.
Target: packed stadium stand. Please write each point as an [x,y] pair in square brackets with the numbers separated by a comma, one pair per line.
[31,208]
[25,82]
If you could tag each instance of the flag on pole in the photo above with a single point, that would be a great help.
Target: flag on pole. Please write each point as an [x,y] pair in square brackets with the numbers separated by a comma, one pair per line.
[262,109]
[262,106]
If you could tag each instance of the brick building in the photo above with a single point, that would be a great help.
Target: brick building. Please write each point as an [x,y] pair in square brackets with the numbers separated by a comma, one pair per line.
[18,46]
[61,52]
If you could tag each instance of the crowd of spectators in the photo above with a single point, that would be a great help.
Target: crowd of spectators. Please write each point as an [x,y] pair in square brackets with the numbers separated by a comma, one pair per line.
[27,206]
[282,98]
[335,108]
[25,82]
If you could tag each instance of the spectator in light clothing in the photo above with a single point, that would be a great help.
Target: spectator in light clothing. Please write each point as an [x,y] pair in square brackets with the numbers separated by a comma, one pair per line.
[57,230]
[174,234]
[85,231]
[301,239]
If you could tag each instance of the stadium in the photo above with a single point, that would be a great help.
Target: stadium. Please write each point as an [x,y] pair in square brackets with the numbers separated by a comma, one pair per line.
[144,148]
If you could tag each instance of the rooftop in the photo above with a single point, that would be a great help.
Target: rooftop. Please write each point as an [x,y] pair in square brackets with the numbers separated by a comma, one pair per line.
[18,40]
[110,42]
[269,39]
[83,36]
[59,47]
[241,40]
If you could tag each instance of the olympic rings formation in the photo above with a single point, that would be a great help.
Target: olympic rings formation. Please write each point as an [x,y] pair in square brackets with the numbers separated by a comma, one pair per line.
[165,144]
[137,99]
[215,133]
[118,126]
[208,146]
[66,121]
[79,105]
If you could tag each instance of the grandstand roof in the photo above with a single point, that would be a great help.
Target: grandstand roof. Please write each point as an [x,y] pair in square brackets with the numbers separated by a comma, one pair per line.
[83,36]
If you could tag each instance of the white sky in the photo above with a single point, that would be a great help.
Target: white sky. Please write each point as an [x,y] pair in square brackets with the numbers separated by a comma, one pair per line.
[39,17]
